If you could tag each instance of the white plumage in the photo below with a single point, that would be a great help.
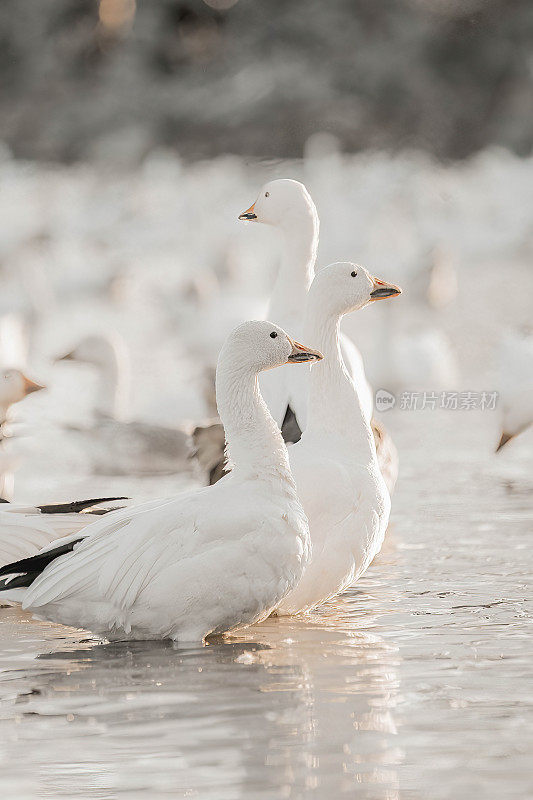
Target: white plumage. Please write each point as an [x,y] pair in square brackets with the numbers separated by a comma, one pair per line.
[24,530]
[208,560]
[287,205]
[335,463]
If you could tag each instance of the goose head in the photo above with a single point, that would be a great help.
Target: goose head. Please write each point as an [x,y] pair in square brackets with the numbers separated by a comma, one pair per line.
[281,203]
[15,386]
[107,354]
[98,350]
[344,287]
[259,345]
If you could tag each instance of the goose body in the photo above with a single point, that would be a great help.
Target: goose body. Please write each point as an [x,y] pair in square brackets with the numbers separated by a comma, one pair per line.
[205,561]
[335,463]
[416,360]
[114,444]
[118,447]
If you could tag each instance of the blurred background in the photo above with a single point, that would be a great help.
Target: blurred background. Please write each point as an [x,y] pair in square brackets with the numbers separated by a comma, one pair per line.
[113,79]
[133,135]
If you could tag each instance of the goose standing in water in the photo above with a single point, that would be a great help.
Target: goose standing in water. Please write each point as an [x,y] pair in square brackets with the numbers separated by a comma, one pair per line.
[516,384]
[118,446]
[335,464]
[205,561]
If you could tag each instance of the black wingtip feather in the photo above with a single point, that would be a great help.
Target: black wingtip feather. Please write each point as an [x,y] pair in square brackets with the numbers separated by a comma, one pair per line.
[290,429]
[18,582]
[77,505]
[34,565]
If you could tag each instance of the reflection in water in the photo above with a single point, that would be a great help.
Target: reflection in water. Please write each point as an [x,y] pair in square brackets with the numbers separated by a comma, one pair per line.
[267,711]
[414,684]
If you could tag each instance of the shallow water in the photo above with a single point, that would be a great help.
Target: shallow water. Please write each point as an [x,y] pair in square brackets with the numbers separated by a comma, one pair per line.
[414,684]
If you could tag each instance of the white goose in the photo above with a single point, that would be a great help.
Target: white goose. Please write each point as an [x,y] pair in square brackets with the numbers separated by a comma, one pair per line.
[205,561]
[335,463]
[287,205]
[516,384]
[14,387]
[116,445]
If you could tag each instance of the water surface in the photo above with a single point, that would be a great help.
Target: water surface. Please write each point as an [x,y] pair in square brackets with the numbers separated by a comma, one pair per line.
[414,684]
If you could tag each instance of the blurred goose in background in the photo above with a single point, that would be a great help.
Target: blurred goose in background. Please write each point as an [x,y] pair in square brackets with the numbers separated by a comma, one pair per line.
[419,354]
[206,561]
[115,445]
[335,463]
[415,352]
[442,281]
[26,529]
[415,358]
[13,339]
[14,387]
[516,384]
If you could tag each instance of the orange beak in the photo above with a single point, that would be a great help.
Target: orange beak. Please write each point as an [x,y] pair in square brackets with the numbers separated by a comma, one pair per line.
[382,289]
[31,386]
[300,353]
[249,213]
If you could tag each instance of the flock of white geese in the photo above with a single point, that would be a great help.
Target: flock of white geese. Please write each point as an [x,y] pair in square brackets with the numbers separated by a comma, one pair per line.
[300,475]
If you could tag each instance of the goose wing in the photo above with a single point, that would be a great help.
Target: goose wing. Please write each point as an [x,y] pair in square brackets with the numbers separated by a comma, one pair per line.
[21,536]
[25,530]
[121,554]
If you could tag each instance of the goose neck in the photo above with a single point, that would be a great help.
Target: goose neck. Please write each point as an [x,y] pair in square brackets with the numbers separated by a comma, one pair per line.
[297,268]
[112,388]
[334,407]
[254,444]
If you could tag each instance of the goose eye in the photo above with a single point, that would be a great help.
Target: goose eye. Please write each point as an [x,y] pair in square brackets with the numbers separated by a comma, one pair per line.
[354,274]
[273,335]
[267,194]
